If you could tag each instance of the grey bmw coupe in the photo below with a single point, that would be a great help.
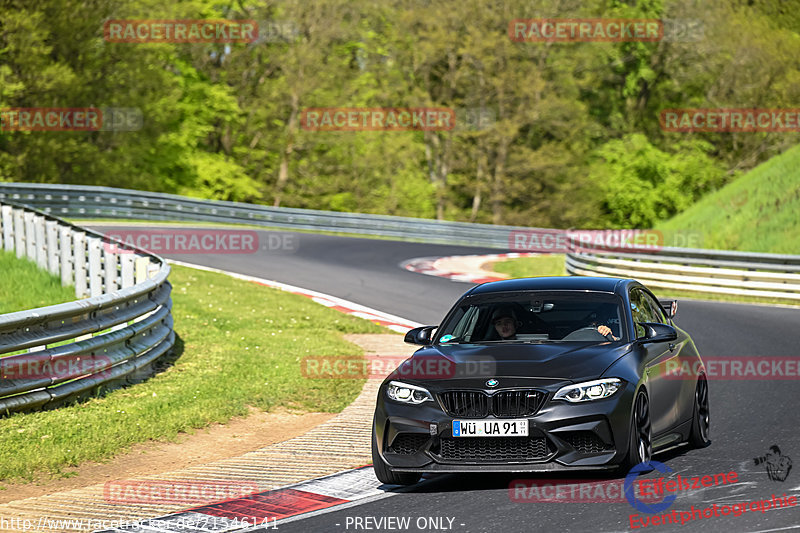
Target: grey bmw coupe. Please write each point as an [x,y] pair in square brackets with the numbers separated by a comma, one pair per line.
[540,375]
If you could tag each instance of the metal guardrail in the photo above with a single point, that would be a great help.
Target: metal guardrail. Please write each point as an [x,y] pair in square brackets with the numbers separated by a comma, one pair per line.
[123,325]
[709,271]
[106,202]
[704,271]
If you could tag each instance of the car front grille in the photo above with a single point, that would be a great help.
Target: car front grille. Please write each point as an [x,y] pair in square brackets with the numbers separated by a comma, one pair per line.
[465,404]
[586,442]
[494,449]
[408,443]
[516,403]
[502,404]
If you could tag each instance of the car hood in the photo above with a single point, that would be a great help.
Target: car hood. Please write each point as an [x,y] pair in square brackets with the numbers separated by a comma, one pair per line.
[571,361]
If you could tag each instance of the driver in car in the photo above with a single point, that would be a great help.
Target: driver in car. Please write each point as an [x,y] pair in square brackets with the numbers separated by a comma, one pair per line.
[606,331]
[599,320]
[505,323]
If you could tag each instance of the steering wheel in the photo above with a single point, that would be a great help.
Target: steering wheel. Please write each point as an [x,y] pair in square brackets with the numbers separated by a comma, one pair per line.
[588,333]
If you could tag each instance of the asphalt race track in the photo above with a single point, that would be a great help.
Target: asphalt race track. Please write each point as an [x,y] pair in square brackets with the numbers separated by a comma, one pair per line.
[747,416]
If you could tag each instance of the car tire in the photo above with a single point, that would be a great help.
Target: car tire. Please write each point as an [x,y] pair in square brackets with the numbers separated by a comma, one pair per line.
[640,444]
[701,418]
[385,474]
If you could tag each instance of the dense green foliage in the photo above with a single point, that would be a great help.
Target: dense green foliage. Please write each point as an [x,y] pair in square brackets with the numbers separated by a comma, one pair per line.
[759,212]
[574,137]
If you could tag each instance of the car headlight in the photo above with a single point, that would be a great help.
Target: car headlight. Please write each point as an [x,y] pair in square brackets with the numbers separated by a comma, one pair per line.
[405,393]
[589,390]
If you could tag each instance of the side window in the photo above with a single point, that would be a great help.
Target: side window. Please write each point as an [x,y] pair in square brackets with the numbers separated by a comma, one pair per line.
[641,311]
[466,326]
[655,309]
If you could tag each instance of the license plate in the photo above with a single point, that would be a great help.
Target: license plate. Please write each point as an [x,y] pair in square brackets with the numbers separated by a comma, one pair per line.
[490,428]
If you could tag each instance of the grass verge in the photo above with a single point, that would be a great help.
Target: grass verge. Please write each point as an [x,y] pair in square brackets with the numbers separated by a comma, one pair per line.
[535,266]
[757,212]
[240,344]
[23,285]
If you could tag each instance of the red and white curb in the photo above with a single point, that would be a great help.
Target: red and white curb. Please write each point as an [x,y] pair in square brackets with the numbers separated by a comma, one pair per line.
[395,323]
[433,266]
[268,509]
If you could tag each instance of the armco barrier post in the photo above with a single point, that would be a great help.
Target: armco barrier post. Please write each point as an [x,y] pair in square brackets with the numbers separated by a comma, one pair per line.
[66,263]
[19,232]
[51,227]
[110,263]
[79,256]
[41,242]
[95,267]
[8,227]
[30,237]
[142,265]
[128,266]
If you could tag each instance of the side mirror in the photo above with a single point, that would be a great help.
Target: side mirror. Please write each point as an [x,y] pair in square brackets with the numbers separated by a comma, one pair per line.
[655,332]
[420,336]
[670,307]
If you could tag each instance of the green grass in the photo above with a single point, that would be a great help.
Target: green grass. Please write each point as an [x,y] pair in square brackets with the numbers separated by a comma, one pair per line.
[23,285]
[528,267]
[758,212]
[242,345]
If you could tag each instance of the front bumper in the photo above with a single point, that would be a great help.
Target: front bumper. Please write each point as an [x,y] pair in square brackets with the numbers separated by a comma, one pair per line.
[561,436]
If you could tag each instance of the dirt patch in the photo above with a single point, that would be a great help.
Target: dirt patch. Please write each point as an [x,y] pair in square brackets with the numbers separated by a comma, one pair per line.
[219,441]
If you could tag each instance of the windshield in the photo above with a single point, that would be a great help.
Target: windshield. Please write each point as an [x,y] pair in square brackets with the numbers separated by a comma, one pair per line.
[534,317]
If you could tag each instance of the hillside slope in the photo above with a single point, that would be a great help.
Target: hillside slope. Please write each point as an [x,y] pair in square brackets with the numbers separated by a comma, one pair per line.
[759,212]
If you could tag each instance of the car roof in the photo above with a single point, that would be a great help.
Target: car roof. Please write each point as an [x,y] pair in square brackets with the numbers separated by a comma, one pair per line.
[554,283]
